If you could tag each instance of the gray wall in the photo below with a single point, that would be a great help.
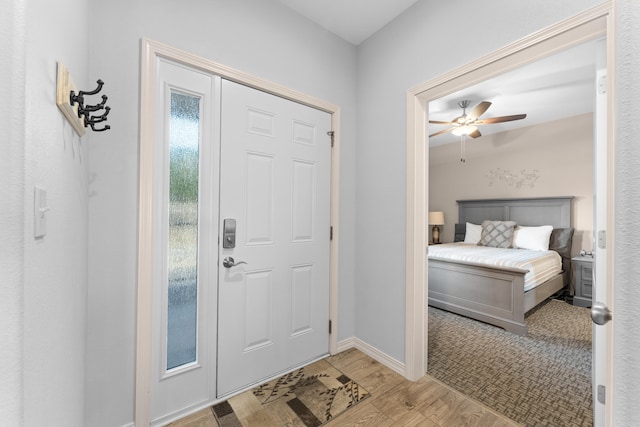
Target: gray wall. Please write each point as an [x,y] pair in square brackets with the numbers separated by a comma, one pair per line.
[255,36]
[12,50]
[44,281]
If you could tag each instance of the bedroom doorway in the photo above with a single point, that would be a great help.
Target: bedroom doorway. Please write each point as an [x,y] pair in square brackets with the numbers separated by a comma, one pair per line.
[521,376]
[593,24]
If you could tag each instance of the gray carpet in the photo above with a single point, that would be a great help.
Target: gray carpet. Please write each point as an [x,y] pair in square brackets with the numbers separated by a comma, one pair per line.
[541,379]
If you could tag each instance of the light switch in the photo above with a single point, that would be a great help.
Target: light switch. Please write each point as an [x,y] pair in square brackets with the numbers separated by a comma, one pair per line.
[39,212]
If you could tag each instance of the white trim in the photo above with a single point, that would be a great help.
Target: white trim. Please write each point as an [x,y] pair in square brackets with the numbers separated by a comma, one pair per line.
[611,215]
[150,51]
[416,244]
[388,361]
[335,223]
[144,322]
[346,344]
[589,24]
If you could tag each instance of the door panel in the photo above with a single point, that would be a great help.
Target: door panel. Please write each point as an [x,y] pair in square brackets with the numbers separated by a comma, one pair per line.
[259,207]
[185,218]
[275,177]
[302,218]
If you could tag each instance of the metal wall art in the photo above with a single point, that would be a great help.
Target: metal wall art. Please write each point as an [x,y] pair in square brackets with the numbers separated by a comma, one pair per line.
[518,180]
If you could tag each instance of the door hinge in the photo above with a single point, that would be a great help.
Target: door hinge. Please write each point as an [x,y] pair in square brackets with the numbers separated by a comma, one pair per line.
[331,233]
[329,327]
[332,134]
[602,84]
[602,394]
[602,239]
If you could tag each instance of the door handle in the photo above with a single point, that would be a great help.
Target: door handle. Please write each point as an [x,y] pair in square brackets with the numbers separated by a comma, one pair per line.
[229,262]
[600,314]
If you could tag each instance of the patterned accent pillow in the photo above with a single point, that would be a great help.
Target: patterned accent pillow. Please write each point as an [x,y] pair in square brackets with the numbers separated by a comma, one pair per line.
[497,234]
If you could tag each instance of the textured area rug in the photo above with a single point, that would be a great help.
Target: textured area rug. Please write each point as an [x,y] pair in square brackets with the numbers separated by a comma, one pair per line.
[541,379]
[310,396]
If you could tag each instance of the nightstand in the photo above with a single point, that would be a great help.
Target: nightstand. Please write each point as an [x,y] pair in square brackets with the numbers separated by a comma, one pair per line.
[582,280]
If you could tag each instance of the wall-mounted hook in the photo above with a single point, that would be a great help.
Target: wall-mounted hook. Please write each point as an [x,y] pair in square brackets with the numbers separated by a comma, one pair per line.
[97,119]
[86,110]
[79,98]
[96,107]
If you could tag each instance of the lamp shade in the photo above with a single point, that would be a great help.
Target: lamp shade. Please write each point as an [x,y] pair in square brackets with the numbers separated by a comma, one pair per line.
[436,218]
[464,130]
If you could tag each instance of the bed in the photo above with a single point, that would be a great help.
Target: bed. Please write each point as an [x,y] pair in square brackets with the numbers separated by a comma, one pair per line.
[496,294]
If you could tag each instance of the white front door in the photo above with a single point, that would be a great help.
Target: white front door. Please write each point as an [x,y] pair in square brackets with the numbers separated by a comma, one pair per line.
[186,157]
[275,196]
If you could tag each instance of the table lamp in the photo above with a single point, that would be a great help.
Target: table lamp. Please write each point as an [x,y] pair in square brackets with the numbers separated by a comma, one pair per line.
[436,219]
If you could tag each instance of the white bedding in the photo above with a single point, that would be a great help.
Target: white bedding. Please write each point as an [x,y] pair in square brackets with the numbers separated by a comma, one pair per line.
[541,265]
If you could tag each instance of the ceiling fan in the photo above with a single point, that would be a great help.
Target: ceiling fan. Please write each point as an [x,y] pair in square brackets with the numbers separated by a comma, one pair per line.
[467,124]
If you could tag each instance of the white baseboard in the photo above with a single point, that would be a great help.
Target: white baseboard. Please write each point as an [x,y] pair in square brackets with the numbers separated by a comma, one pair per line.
[372,352]
[345,345]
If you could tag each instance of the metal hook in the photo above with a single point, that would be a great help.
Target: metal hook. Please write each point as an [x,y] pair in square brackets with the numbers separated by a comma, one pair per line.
[79,98]
[93,92]
[106,127]
[98,119]
[96,107]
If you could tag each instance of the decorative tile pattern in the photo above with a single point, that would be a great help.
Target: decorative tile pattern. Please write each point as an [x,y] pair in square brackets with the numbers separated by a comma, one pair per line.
[307,397]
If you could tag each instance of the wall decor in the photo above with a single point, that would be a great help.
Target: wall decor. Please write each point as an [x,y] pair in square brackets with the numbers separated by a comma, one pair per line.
[71,102]
[518,180]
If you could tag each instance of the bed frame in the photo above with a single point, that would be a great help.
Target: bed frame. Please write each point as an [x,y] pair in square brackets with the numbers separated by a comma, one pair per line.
[496,295]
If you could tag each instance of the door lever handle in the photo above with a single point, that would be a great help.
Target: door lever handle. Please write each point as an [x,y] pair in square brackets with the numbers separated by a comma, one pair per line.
[229,262]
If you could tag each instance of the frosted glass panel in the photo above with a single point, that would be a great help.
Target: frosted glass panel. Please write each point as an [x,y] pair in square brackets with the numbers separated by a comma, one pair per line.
[184,127]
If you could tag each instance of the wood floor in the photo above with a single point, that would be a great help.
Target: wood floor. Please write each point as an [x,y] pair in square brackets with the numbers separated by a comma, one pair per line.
[394,401]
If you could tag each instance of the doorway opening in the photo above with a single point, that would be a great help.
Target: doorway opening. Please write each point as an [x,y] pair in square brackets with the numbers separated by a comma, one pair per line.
[550,153]
[592,24]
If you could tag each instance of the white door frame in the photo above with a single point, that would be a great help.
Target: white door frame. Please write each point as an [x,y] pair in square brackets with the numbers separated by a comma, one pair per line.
[590,24]
[150,52]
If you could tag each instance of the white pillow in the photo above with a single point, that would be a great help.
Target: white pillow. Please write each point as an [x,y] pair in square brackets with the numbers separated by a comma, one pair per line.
[533,238]
[473,233]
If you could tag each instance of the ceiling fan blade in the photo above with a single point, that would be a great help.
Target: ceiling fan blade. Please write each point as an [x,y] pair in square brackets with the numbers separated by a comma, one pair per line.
[500,119]
[478,110]
[437,122]
[475,134]
[441,132]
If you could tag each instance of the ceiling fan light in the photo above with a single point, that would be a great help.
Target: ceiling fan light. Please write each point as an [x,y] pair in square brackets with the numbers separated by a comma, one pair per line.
[464,130]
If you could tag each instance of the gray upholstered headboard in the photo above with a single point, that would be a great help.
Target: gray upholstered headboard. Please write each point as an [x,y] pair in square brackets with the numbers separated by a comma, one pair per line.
[555,211]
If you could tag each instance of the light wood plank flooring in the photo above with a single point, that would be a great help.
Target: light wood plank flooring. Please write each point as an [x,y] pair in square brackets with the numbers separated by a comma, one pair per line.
[394,401]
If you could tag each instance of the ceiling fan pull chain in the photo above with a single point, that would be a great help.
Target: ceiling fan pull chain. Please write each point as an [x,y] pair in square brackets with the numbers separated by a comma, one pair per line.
[462,149]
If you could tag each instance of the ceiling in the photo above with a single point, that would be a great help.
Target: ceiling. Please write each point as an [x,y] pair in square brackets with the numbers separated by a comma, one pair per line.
[353,20]
[553,88]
